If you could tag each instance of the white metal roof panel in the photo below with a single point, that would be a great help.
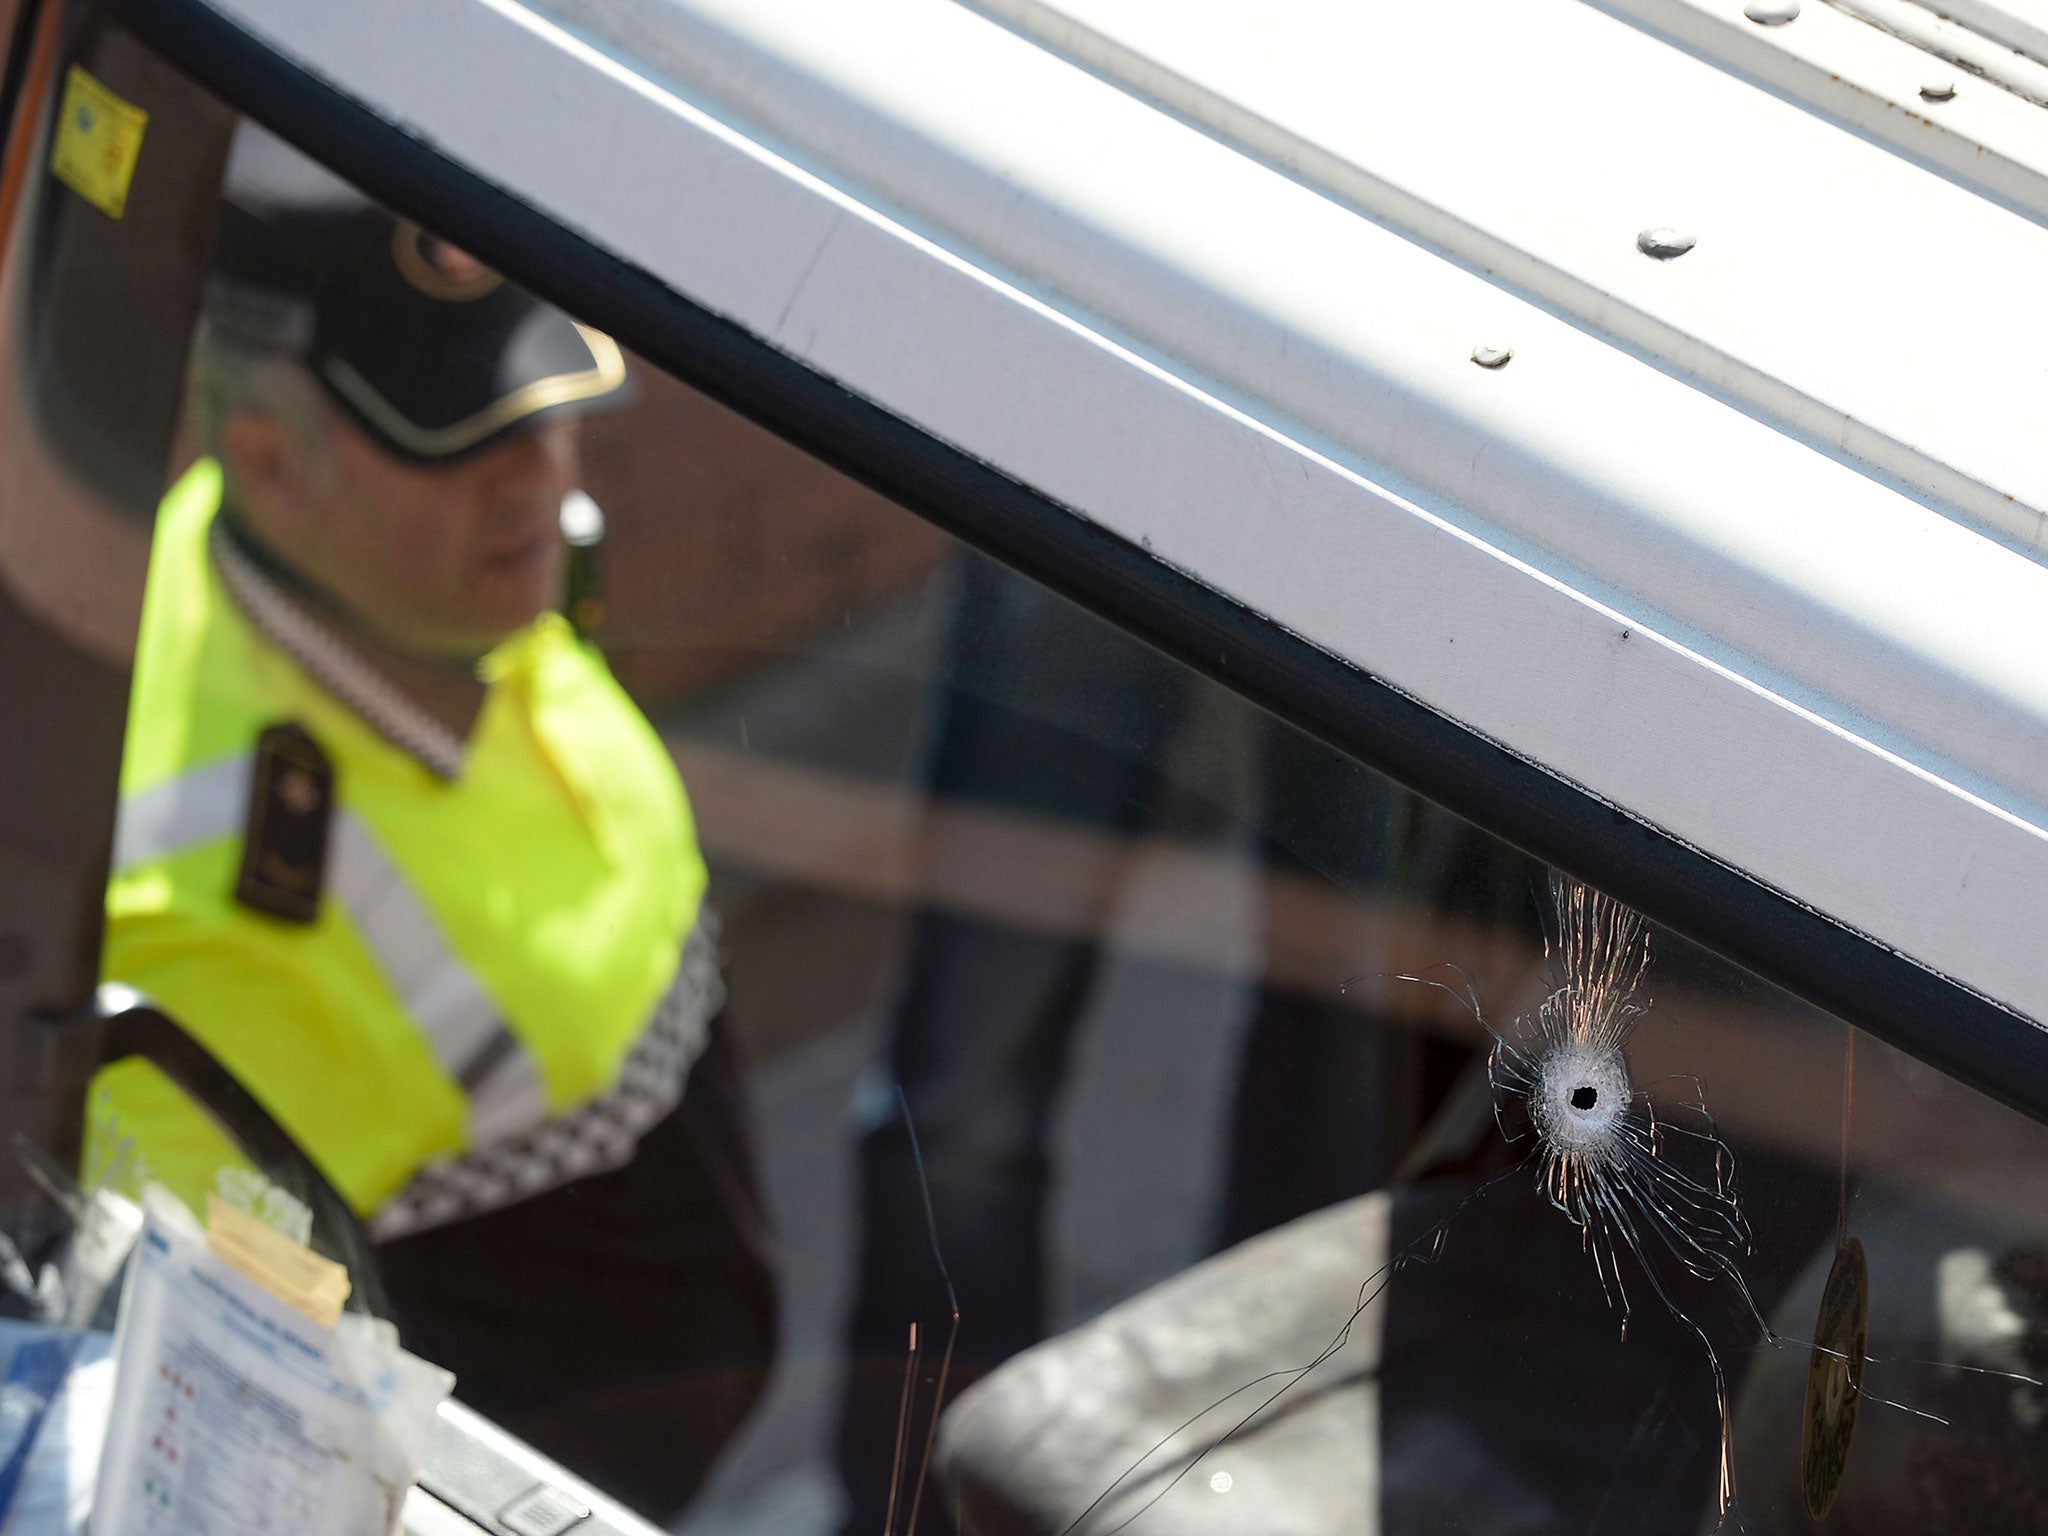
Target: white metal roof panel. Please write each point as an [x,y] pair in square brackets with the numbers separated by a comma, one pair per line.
[1989,135]
[1835,289]
[2022,25]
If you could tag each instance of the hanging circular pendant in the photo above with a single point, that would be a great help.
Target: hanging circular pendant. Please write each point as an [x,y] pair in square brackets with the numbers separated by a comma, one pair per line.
[1834,1378]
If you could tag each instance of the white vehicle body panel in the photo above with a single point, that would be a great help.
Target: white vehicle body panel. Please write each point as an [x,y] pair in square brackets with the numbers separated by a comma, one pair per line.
[1668,553]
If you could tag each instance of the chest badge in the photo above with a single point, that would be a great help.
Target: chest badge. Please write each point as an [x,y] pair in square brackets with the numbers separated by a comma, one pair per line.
[284,840]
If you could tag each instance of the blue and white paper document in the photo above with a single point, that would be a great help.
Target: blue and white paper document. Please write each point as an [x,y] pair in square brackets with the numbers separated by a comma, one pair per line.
[237,1414]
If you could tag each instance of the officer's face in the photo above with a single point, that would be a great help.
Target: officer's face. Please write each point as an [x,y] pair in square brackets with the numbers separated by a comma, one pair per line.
[439,561]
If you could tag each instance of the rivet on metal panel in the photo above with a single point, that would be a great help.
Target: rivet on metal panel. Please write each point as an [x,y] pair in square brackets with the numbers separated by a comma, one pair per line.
[1771,13]
[1938,90]
[1664,243]
[542,1511]
[1492,357]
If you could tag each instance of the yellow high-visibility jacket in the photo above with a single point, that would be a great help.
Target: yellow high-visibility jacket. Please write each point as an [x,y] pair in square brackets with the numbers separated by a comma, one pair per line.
[505,982]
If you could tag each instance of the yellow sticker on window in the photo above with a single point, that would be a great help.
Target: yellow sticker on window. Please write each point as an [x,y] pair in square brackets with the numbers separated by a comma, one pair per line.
[98,139]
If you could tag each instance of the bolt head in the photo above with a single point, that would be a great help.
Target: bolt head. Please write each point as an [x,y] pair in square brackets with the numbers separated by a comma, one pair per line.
[1663,242]
[1771,13]
[1938,90]
[1492,357]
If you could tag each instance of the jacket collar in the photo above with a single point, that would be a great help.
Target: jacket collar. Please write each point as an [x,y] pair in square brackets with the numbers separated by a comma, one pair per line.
[297,630]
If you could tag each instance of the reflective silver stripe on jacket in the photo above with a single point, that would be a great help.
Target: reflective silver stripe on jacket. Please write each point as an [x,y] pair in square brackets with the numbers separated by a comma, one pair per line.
[595,1138]
[181,813]
[437,990]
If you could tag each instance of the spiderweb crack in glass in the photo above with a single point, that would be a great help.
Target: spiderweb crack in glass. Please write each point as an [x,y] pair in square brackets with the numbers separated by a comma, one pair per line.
[1627,1173]
[1632,1172]
[1604,1149]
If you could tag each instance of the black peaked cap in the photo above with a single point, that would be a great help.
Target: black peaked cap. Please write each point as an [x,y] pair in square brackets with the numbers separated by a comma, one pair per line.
[431,352]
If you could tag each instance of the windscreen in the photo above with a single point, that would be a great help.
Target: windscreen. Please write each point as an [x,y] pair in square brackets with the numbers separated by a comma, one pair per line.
[820,1033]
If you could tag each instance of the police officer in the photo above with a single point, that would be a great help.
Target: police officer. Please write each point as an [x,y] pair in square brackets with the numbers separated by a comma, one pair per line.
[398,850]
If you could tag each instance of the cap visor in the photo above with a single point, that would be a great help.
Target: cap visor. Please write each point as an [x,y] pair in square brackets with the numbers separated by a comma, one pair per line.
[521,398]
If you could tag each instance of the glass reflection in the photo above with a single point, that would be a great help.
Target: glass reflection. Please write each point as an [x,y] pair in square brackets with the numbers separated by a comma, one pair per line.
[1131,950]
[1200,1026]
